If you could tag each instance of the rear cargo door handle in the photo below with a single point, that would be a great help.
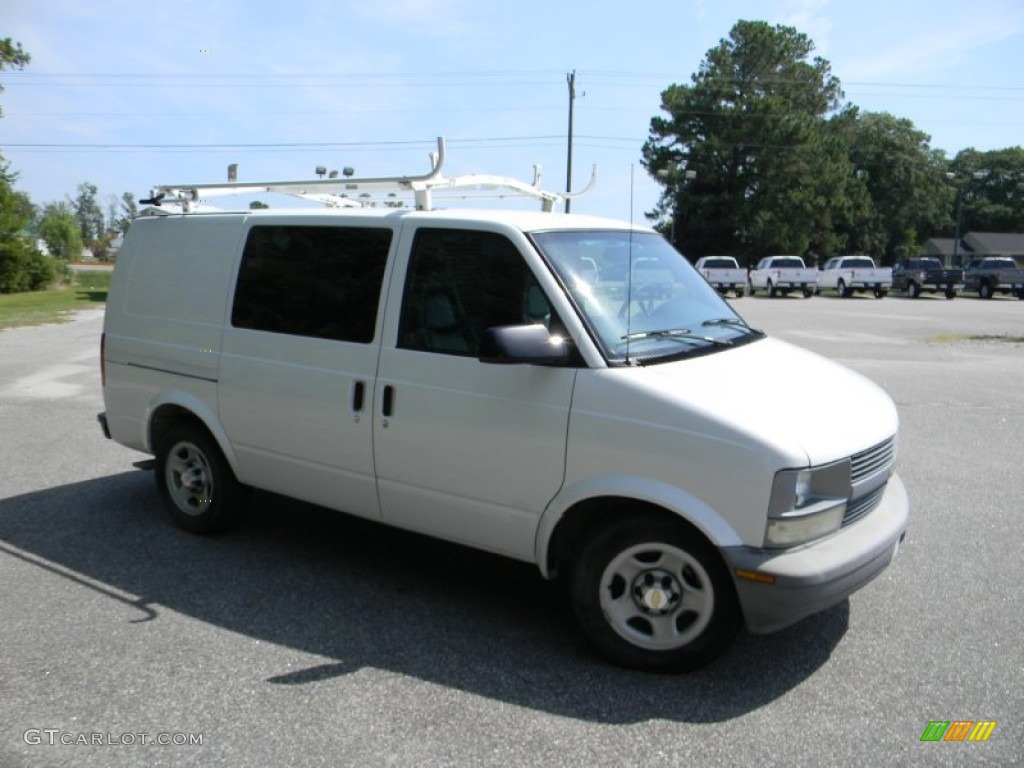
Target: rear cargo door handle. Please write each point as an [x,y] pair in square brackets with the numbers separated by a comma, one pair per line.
[387,401]
[358,396]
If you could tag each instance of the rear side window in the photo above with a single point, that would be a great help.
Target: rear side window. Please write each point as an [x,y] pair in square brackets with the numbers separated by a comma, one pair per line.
[461,283]
[323,282]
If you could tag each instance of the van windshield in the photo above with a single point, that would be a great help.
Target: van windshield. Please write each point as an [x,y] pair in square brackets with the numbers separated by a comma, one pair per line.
[641,299]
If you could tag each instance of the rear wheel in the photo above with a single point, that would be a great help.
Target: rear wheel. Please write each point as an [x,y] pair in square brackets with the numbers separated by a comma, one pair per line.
[951,293]
[913,289]
[841,289]
[985,290]
[650,594]
[771,289]
[201,491]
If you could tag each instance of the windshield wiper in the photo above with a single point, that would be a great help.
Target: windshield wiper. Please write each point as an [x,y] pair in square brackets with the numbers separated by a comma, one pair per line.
[727,321]
[676,333]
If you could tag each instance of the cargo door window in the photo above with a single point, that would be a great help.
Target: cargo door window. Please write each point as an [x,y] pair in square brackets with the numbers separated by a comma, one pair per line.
[461,283]
[323,282]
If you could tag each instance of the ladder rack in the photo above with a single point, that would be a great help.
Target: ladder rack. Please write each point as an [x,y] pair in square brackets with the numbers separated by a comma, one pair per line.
[332,192]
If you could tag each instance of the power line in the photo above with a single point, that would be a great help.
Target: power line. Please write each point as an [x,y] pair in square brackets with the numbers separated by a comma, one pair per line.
[373,79]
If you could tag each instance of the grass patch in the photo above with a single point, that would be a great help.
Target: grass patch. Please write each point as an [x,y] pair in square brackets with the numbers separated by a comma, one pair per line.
[56,305]
[952,338]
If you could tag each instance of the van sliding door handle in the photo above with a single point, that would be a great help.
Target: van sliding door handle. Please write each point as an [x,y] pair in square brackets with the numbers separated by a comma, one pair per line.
[387,401]
[358,396]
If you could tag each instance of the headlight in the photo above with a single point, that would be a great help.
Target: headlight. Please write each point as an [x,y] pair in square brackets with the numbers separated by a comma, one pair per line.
[807,504]
[803,491]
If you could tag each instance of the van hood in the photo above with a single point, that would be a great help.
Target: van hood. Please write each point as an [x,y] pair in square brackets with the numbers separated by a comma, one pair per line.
[782,394]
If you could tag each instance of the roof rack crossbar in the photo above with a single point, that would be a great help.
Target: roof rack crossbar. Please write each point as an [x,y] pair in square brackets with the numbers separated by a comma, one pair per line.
[333,192]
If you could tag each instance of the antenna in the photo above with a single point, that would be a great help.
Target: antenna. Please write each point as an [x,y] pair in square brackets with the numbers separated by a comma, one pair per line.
[571,80]
[629,271]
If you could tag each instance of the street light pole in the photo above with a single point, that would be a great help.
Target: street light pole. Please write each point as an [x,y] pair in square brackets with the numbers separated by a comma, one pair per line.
[959,220]
[976,176]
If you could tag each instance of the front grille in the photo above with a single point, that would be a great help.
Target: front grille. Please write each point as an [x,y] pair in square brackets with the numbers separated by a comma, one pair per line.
[857,508]
[873,460]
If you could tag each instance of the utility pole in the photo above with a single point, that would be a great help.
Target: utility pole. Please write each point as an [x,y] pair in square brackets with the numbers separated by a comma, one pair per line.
[571,80]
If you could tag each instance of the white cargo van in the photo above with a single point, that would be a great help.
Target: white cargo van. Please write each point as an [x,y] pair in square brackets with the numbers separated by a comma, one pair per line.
[559,389]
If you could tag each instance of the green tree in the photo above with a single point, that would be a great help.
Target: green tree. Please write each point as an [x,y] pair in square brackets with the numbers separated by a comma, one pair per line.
[904,177]
[119,218]
[991,186]
[88,213]
[11,57]
[59,229]
[751,126]
[22,266]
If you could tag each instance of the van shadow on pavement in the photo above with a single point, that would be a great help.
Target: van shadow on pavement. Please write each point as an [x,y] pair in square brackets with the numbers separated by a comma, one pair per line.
[371,596]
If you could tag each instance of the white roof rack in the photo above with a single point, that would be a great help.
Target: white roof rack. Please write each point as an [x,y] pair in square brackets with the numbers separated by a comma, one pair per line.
[334,191]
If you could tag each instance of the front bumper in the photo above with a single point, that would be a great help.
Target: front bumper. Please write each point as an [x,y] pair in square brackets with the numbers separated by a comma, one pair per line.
[815,576]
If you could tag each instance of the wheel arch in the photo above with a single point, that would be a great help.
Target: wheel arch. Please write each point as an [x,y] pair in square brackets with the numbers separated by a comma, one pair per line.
[174,408]
[564,527]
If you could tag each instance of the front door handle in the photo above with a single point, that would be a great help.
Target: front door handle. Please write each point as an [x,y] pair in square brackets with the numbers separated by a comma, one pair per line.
[387,401]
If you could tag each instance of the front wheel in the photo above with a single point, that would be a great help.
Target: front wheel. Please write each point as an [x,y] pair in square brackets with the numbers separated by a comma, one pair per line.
[951,293]
[651,595]
[985,290]
[201,491]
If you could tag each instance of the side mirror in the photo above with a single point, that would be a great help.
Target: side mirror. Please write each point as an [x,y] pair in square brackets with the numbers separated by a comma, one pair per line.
[523,344]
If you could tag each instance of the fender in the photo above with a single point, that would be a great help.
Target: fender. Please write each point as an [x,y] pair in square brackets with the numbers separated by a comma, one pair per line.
[199,408]
[645,489]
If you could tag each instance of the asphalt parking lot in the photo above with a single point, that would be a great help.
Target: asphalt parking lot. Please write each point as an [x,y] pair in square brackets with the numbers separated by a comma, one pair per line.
[308,638]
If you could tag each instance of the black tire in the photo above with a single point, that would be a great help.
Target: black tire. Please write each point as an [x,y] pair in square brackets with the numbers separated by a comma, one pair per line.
[880,293]
[771,290]
[914,290]
[951,293]
[739,293]
[985,289]
[750,289]
[809,292]
[841,290]
[200,489]
[638,574]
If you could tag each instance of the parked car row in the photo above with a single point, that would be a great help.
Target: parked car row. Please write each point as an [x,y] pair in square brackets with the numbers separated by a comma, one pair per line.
[847,275]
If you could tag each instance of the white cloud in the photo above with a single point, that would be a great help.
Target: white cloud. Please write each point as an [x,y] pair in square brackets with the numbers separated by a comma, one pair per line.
[808,16]
[942,45]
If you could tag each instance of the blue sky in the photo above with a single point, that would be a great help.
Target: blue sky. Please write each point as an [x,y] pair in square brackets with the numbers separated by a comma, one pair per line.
[119,87]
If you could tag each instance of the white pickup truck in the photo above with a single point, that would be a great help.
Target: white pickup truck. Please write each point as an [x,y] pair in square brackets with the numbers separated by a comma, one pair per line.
[849,274]
[724,273]
[782,274]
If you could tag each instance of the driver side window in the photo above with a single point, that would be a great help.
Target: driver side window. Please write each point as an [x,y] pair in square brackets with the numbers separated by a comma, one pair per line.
[462,282]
